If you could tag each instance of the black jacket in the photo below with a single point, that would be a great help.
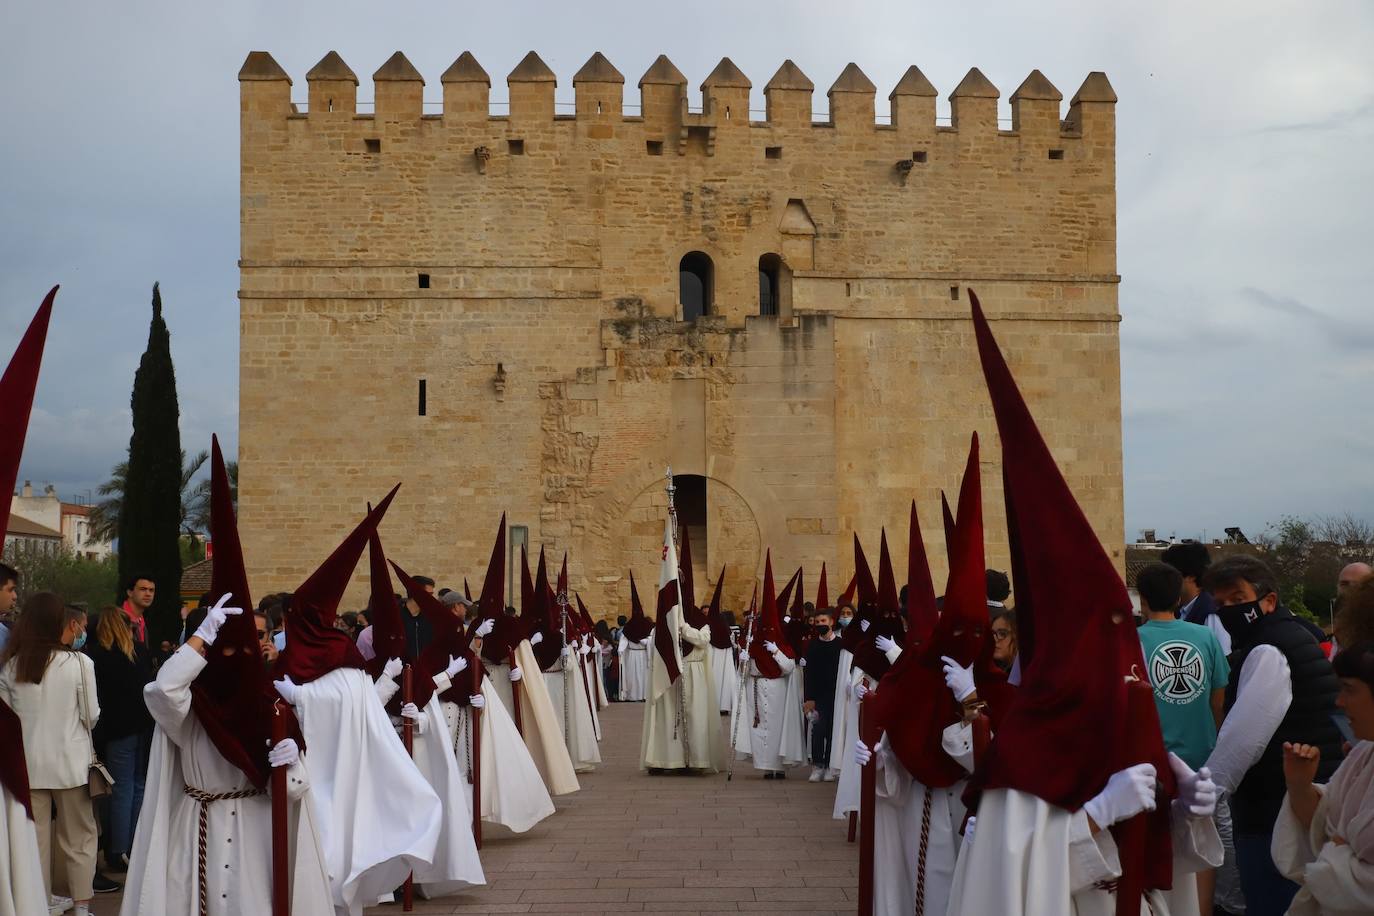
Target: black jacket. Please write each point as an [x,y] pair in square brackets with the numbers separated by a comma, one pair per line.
[822,668]
[119,685]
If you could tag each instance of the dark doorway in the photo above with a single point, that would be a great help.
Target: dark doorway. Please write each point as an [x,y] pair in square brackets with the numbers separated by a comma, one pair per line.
[770,285]
[689,497]
[696,277]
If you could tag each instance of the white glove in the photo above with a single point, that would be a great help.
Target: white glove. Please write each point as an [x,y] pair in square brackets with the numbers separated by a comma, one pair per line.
[802,662]
[567,650]
[645,641]
[412,712]
[536,639]
[214,619]
[706,632]
[392,668]
[516,674]
[284,754]
[486,627]
[288,689]
[958,678]
[786,619]
[860,691]
[1128,793]
[456,663]
[889,648]
[862,753]
[1197,794]
[863,626]
[968,830]
[772,647]
[477,701]
[585,650]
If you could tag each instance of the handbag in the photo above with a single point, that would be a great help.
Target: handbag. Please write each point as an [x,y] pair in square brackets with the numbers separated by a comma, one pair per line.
[99,782]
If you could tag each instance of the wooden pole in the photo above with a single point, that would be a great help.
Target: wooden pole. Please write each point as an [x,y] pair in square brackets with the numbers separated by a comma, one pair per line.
[408,739]
[515,697]
[868,786]
[281,867]
[476,745]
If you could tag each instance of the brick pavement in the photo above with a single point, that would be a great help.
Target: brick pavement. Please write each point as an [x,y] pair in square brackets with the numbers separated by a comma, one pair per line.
[631,843]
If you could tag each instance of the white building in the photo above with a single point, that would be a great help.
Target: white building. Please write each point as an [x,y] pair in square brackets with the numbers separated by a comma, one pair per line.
[70,520]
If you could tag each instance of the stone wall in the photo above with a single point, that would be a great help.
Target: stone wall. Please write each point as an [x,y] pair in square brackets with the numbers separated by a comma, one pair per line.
[559,379]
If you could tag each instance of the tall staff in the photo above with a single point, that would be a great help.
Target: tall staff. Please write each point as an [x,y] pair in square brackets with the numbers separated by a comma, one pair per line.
[281,862]
[741,665]
[515,696]
[408,739]
[475,770]
[868,786]
[677,636]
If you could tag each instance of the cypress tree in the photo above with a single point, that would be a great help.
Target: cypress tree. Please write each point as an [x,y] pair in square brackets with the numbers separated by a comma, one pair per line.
[150,517]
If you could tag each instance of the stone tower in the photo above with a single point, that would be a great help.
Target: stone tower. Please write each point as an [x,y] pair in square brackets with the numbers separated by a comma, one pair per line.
[538,311]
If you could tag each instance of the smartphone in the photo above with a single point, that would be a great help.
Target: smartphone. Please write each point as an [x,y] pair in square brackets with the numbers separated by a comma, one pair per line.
[1343,725]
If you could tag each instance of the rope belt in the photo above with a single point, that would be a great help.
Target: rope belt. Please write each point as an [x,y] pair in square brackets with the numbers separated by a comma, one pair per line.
[921,855]
[205,798]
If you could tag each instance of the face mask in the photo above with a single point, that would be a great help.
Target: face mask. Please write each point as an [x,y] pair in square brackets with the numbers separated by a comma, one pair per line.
[844,621]
[79,642]
[1237,617]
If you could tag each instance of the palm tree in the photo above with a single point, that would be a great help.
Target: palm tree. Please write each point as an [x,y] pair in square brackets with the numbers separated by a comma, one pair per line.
[195,499]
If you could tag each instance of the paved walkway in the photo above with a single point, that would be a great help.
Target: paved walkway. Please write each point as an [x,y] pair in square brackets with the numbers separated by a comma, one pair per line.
[631,843]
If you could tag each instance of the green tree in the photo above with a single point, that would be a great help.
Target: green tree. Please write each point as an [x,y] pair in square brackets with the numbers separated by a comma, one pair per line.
[195,500]
[75,578]
[150,511]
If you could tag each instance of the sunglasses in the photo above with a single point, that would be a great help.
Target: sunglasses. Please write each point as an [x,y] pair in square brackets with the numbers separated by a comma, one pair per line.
[1000,635]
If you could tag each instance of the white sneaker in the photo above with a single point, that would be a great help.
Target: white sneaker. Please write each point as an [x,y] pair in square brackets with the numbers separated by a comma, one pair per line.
[815,775]
[81,910]
[831,774]
[57,904]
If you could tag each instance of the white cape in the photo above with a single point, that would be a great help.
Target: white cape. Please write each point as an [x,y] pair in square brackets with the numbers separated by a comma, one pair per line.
[568,697]
[21,873]
[726,676]
[778,741]
[634,671]
[379,819]
[847,717]
[513,793]
[455,864]
[163,874]
[661,737]
[541,722]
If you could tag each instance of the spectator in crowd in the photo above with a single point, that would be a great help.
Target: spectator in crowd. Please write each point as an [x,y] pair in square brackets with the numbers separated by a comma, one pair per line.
[999,590]
[1281,690]
[819,675]
[1324,838]
[264,627]
[51,686]
[419,631]
[1351,574]
[9,596]
[1191,559]
[139,590]
[124,734]
[1004,646]
[846,615]
[1189,672]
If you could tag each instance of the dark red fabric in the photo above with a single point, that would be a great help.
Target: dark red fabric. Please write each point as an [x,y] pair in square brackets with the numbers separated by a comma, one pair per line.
[921,609]
[913,704]
[768,626]
[822,593]
[1075,632]
[388,632]
[313,646]
[663,639]
[796,629]
[847,596]
[638,627]
[530,618]
[948,518]
[506,632]
[448,640]
[584,616]
[863,595]
[233,697]
[720,630]
[16,403]
[883,615]
[14,770]
[550,648]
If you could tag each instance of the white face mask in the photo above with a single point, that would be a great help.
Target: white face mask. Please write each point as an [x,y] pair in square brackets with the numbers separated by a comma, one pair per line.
[845,621]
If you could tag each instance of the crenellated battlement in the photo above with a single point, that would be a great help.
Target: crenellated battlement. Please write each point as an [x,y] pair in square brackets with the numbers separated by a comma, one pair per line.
[665,107]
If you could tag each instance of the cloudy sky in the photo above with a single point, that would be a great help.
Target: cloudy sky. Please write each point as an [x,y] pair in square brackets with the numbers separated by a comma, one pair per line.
[1246,137]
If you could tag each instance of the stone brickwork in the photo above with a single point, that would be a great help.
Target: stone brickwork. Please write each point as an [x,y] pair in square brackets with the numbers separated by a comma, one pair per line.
[559,379]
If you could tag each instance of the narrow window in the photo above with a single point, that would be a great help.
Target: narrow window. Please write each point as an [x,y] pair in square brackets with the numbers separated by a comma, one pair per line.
[424,281]
[1056,154]
[598,108]
[654,147]
[770,271]
[727,112]
[772,152]
[918,156]
[516,147]
[848,289]
[373,144]
[696,276]
[329,105]
[423,405]
[954,292]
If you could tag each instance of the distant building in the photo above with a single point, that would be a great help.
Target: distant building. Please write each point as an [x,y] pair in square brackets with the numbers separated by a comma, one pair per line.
[28,537]
[71,521]
[195,581]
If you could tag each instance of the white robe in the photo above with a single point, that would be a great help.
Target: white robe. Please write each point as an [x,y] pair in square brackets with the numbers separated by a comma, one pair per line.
[847,718]
[599,653]
[568,696]
[21,872]
[634,671]
[513,793]
[841,707]
[456,865]
[540,722]
[1336,879]
[1040,860]
[898,815]
[163,875]
[661,739]
[379,818]
[778,740]
[726,675]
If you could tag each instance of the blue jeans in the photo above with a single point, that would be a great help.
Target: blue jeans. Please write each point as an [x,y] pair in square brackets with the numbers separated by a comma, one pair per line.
[127,760]
[1266,891]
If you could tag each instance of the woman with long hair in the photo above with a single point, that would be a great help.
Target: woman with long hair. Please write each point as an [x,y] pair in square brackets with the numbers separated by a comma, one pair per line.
[123,667]
[51,686]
